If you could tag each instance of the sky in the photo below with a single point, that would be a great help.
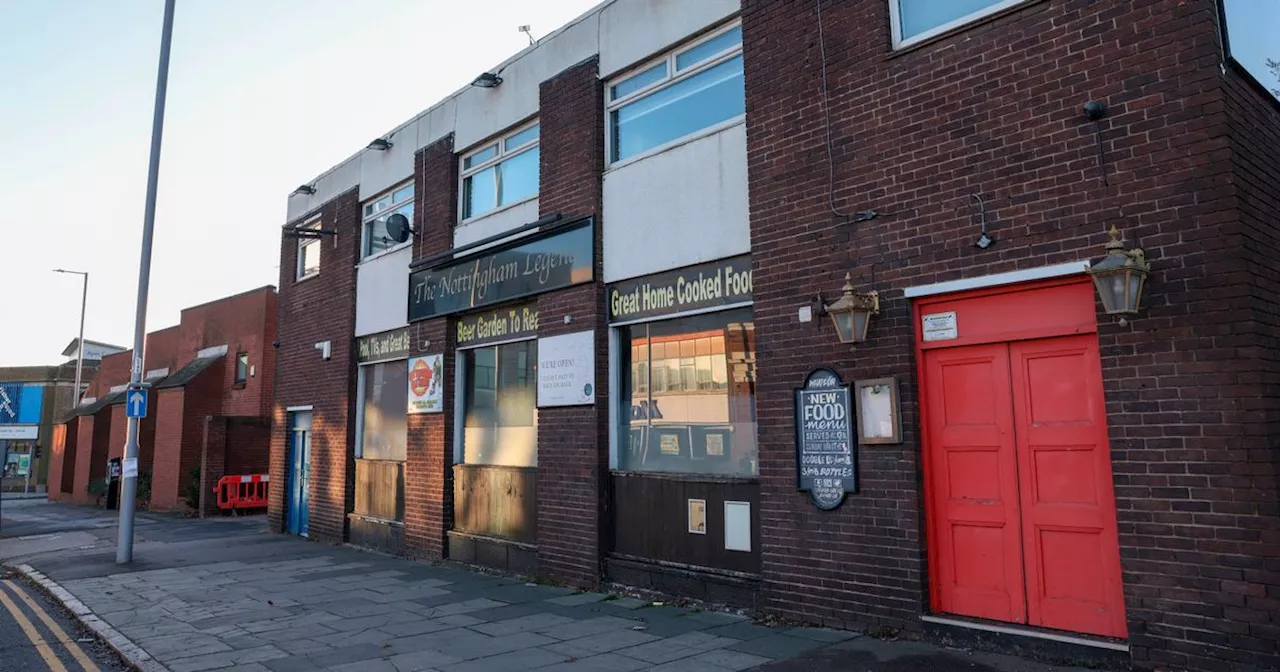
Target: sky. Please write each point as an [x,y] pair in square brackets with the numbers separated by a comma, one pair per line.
[264,95]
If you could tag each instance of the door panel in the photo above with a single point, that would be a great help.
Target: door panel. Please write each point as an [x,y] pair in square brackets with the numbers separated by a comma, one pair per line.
[974,501]
[1067,499]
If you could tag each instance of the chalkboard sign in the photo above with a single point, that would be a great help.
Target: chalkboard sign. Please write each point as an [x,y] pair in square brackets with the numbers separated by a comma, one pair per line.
[826,464]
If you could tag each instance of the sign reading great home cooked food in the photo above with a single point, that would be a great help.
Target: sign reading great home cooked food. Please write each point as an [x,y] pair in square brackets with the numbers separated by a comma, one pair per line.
[522,268]
[825,461]
[711,285]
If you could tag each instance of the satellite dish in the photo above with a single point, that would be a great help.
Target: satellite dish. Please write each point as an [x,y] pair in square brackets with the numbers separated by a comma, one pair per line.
[398,228]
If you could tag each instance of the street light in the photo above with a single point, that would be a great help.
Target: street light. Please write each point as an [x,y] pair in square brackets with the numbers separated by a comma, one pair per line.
[84,299]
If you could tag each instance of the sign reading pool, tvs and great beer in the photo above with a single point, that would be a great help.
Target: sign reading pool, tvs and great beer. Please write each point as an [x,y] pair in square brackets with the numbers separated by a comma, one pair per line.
[826,465]
[711,285]
[522,268]
[382,347]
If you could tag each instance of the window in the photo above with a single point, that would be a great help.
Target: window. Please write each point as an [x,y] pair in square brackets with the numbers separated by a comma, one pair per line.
[501,424]
[309,253]
[242,367]
[691,89]
[688,396]
[500,173]
[916,20]
[384,402]
[397,202]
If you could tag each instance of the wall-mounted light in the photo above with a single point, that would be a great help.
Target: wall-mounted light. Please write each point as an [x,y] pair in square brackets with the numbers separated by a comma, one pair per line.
[487,80]
[304,189]
[1120,277]
[852,312]
[380,144]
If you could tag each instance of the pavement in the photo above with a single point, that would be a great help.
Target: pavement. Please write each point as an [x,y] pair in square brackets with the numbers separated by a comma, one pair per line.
[225,593]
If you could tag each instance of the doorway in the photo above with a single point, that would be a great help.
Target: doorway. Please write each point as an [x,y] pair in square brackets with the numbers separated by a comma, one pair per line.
[1021,505]
[299,479]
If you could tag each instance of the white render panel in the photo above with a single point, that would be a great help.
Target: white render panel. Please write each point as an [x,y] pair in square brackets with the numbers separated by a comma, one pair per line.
[437,122]
[382,292]
[680,207]
[483,113]
[498,222]
[381,170]
[328,186]
[635,30]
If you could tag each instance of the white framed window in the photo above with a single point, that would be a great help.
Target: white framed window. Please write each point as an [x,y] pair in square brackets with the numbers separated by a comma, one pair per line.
[398,201]
[915,20]
[309,253]
[500,173]
[695,87]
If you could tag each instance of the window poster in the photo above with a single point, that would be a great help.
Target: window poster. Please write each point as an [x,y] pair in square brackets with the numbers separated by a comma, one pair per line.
[426,384]
[567,370]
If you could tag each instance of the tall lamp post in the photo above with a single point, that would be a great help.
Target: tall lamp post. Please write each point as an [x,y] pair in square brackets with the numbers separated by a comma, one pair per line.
[84,299]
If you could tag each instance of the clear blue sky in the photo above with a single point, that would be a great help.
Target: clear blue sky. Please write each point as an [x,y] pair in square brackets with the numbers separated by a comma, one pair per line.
[263,96]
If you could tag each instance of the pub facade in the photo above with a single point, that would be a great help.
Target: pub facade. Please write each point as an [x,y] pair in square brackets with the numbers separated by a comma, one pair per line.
[755,303]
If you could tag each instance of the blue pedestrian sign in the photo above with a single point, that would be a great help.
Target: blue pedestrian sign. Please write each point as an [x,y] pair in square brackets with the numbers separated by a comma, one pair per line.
[135,403]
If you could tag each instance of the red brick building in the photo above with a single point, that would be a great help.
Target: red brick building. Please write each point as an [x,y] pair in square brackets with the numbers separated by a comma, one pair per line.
[621,252]
[212,379]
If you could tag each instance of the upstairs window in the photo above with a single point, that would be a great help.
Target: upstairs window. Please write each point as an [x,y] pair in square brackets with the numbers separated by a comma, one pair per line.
[242,367]
[688,90]
[500,173]
[309,253]
[916,20]
[399,201]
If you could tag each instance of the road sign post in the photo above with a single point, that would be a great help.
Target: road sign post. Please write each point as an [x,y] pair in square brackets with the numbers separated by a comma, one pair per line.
[129,484]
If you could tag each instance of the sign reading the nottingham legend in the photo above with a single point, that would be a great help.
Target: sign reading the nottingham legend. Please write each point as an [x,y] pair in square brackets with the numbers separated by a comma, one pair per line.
[825,462]
[387,345]
[711,285]
[523,268]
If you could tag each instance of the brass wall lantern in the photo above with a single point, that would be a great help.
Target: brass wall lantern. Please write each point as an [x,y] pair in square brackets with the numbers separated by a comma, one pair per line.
[852,312]
[1120,277]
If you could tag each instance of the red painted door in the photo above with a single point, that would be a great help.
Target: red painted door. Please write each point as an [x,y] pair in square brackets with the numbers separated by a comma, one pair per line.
[974,483]
[1064,471]
[1022,510]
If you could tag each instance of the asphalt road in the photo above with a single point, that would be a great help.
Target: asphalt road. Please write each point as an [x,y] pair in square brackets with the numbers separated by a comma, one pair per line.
[36,635]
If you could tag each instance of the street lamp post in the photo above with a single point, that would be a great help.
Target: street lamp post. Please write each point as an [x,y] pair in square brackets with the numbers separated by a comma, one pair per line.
[129,475]
[84,300]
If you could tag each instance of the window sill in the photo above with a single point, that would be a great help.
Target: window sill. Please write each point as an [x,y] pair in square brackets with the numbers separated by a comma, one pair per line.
[495,211]
[239,386]
[679,142]
[685,476]
[306,277]
[924,42]
[390,250]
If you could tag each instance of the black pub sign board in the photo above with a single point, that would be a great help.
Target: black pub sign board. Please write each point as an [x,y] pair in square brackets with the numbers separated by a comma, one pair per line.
[523,267]
[711,285]
[826,462]
[381,347]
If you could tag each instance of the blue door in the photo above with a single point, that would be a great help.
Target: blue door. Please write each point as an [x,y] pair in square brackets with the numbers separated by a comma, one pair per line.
[299,472]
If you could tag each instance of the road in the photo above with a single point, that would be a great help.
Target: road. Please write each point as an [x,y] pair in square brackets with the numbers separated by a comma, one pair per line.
[36,635]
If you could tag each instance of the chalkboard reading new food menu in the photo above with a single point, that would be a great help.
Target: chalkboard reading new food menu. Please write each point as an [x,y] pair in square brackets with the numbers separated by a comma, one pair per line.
[825,461]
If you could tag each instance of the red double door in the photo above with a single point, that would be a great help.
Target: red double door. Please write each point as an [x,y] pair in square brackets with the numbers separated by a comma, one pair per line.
[1021,506]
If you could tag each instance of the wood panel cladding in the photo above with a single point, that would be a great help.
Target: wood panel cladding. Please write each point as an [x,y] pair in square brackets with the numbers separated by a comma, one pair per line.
[496,501]
[380,489]
[650,519]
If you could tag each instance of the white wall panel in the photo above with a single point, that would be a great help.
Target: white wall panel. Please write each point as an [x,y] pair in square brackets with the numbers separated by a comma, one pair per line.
[634,30]
[494,224]
[382,292]
[683,206]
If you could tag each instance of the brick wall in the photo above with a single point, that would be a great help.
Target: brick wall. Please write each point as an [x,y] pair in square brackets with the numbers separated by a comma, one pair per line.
[314,310]
[428,486]
[245,323]
[166,492]
[84,450]
[119,428]
[573,442]
[995,111]
[58,451]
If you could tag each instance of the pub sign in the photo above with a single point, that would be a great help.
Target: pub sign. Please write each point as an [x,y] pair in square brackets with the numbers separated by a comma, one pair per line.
[826,462]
